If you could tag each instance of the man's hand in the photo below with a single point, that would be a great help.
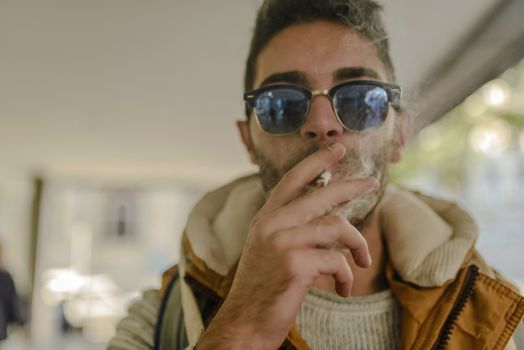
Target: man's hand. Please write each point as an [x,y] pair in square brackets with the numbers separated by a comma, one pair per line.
[284,254]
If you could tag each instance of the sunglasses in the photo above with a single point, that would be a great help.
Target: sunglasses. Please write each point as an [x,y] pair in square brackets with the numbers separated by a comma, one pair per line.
[359,105]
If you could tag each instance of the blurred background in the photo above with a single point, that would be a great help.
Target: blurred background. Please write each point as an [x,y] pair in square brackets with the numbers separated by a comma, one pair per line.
[117,115]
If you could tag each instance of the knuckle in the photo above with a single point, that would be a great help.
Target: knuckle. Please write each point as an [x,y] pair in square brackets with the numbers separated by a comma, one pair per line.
[329,256]
[355,236]
[277,241]
[262,226]
[334,226]
[317,228]
[328,202]
[343,264]
[336,220]
[342,259]
[257,219]
[359,239]
[292,263]
[338,258]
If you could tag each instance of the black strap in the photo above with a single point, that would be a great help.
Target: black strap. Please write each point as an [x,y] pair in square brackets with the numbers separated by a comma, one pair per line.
[208,303]
[161,312]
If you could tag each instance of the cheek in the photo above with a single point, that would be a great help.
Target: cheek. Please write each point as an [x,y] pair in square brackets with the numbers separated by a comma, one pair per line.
[389,125]
[277,149]
[277,152]
[381,137]
[370,143]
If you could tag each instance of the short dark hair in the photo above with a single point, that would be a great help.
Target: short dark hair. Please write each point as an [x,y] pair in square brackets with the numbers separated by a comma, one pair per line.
[363,16]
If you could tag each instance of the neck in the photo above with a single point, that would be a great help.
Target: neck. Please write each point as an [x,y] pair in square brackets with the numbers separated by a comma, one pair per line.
[365,281]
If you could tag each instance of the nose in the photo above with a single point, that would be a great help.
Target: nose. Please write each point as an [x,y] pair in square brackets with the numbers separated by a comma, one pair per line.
[321,124]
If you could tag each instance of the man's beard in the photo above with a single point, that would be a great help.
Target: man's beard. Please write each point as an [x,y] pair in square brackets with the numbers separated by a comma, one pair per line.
[356,164]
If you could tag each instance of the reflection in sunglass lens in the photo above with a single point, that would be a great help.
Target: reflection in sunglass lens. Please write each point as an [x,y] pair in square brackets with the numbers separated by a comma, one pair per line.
[360,107]
[281,110]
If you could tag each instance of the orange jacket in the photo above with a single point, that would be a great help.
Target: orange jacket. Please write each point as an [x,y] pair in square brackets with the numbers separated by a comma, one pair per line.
[450,298]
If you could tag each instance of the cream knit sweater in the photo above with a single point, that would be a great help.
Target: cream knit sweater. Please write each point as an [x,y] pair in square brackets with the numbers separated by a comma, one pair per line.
[328,321]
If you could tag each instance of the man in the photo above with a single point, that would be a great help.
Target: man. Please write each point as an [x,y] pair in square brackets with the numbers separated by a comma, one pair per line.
[285,260]
[10,308]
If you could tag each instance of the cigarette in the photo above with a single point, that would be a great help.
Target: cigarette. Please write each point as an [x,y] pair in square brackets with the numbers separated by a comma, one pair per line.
[324,178]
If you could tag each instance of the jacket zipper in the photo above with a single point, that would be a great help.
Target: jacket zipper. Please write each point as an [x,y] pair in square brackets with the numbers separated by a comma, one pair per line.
[466,291]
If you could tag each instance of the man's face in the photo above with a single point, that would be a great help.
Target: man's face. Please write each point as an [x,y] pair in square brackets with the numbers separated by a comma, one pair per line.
[319,55]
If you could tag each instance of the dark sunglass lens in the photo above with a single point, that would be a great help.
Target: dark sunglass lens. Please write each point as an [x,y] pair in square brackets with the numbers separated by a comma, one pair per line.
[361,107]
[281,110]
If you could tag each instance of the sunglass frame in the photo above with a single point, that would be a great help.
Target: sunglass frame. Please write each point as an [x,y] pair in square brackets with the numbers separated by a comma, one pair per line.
[393,93]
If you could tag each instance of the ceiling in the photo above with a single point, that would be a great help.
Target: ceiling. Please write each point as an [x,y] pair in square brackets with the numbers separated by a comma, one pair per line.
[150,90]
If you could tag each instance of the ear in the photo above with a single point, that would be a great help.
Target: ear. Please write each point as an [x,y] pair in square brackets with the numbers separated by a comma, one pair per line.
[403,128]
[243,129]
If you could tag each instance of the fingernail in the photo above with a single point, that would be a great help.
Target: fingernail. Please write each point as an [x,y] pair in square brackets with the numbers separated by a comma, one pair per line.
[371,189]
[370,260]
[375,184]
[335,147]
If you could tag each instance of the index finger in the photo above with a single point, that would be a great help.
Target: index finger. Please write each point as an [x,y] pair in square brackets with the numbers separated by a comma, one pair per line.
[294,181]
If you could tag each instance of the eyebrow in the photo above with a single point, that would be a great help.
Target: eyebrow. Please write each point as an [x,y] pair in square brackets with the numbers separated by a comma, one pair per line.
[292,77]
[355,72]
[299,78]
